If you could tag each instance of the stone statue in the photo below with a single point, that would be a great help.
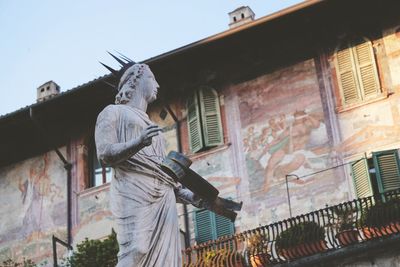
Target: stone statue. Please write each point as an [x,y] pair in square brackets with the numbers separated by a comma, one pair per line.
[143,197]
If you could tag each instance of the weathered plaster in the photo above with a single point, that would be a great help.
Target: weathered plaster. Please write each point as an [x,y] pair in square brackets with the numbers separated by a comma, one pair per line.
[392,45]
[284,132]
[36,190]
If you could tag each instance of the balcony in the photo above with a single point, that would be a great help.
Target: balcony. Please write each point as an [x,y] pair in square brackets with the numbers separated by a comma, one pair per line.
[334,232]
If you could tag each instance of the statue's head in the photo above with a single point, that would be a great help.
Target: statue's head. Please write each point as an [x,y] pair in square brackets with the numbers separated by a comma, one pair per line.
[137,82]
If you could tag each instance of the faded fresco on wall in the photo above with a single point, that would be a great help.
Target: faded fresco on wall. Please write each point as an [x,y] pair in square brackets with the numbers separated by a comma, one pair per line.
[284,132]
[37,188]
[376,126]
[371,127]
[216,167]
[288,144]
[392,46]
[95,218]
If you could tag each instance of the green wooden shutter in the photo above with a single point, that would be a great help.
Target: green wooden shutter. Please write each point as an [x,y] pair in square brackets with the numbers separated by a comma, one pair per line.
[361,178]
[387,170]
[223,226]
[366,69]
[210,226]
[346,72]
[211,117]
[194,124]
[204,229]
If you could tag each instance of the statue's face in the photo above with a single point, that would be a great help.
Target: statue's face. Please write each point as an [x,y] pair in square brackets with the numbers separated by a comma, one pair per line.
[141,85]
[148,85]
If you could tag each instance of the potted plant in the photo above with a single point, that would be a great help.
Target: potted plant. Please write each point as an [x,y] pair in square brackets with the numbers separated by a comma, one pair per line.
[381,219]
[257,250]
[345,225]
[302,239]
[215,257]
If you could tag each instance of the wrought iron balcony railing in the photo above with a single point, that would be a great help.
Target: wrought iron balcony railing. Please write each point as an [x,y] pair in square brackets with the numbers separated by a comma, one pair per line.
[316,232]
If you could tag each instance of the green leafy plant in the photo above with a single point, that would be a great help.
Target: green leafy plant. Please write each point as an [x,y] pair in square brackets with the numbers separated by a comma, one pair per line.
[257,243]
[301,233]
[382,213]
[24,263]
[96,253]
[257,249]
[345,219]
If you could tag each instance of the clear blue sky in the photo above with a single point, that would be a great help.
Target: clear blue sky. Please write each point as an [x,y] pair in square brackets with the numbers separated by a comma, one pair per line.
[64,40]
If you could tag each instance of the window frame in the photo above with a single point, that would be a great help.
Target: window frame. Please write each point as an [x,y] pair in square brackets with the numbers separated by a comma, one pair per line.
[378,172]
[208,119]
[106,172]
[213,224]
[351,45]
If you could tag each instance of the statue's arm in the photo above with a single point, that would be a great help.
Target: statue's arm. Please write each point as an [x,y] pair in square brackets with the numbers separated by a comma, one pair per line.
[109,151]
[185,196]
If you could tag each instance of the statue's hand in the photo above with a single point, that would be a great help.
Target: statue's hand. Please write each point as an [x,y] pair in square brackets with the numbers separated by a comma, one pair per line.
[148,133]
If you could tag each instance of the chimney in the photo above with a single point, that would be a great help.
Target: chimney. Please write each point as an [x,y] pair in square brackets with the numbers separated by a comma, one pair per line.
[240,16]
[47,91]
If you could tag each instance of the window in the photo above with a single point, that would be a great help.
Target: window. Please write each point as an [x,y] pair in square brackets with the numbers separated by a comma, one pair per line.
[356,72]
[99,175]
[378,174]
[210,226]
[204,119]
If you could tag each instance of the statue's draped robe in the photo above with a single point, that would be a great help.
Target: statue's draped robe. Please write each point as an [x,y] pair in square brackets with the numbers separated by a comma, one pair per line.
[142,195]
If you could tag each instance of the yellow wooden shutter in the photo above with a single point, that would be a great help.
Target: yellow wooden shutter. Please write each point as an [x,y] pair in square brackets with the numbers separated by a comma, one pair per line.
[211,117]
[194,124]
[366,69]
[347,75]
[361,178]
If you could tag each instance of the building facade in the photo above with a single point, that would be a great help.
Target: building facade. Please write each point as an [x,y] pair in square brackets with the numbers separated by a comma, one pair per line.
[296,102]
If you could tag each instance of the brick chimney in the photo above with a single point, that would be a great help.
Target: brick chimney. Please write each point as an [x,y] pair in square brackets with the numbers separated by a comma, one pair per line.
[47,91]
[240,16]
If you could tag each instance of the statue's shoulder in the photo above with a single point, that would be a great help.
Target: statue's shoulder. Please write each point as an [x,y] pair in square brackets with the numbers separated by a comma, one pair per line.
[110,112]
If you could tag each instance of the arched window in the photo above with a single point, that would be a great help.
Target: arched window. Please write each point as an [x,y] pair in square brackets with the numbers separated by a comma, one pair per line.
[356,71]
[204,119]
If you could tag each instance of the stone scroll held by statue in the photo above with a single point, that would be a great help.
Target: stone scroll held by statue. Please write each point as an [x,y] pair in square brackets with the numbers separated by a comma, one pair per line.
[146,184]
[178,166]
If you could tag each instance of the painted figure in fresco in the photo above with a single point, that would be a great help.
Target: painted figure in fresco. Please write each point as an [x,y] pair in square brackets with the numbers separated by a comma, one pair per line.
[142,196]
[37,190]
[283,146]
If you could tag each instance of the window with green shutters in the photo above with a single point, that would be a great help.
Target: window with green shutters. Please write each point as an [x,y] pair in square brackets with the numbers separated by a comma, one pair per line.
[379,174]
[387,170]
[204,119]
[356,71]
[210,226]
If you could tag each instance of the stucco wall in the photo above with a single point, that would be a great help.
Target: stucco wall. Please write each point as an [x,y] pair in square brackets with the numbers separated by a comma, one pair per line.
[283,132]
[274,125]
[33,208]
[392,47]
[374,126]
[95,218]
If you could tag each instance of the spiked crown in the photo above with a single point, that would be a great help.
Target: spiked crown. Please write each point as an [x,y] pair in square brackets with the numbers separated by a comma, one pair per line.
[124,62]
